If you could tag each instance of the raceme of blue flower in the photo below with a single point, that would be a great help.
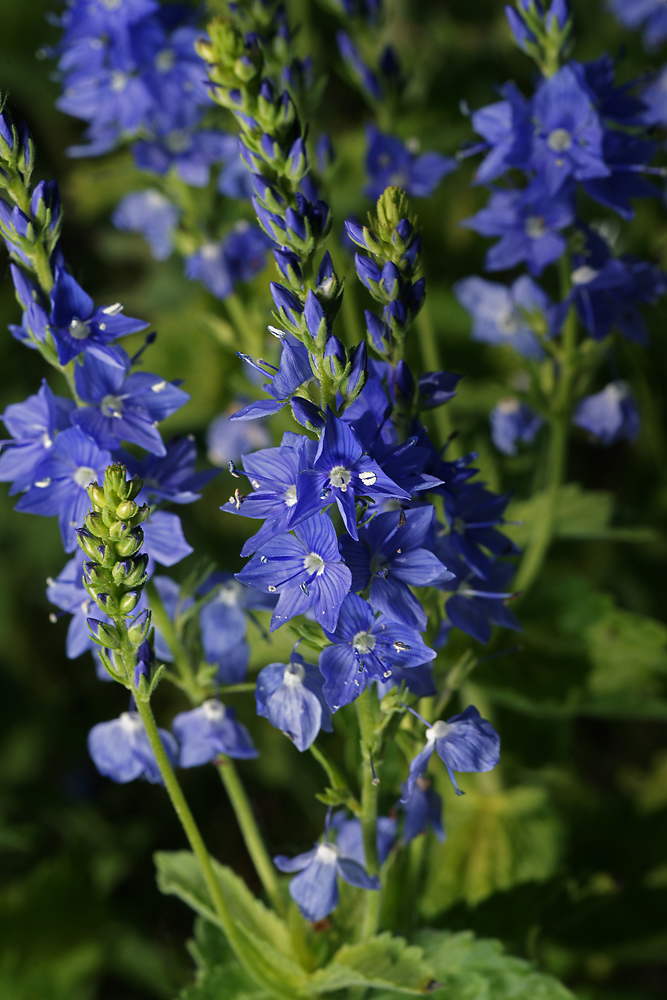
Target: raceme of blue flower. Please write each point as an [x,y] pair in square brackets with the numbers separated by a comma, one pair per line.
[466,742]
[290,697]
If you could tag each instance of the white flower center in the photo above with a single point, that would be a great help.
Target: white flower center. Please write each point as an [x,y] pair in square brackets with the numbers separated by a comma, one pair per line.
[84,476]
[535,227]
[112,406]
[437,731]
[78,329]
[290,496]
[339,477]
[314,563]
[229,593]
[130,721]
[327,854]
[118,81]
[560,140]
[507,323]
[213,709]
[294,675]
[584,275]
[164,61]
[363,642]
[508,405]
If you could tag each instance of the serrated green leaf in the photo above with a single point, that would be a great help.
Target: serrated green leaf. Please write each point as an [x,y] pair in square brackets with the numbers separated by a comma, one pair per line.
[264,941]
[493,842]
[383,962]
[472,968]
[219,973]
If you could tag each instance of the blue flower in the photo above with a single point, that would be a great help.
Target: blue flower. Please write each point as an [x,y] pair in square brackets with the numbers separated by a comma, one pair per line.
[610,415]
[607,291]
[121,751]
[77,325]
[512,421]
[361,74]
[151,214]
[366,649]
[33,425]
[343,474]
[123,406]
[393,554]
[221,265]
[507,130]
[350,841]
[305,569]
[528,223]
[61,480]
[568,135]
[208,731]
[273,474]
[503,315]
[294,369]
[466,742]
[390,161]
[223,624]
[423,808]
[290,697]
[315,889]
[649,13]
[164,540]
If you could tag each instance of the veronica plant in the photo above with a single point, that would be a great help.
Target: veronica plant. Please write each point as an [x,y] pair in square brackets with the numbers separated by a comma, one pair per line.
[374,547]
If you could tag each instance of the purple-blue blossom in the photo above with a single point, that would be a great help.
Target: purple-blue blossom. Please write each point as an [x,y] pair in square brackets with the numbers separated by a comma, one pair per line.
[507,315]
[206,732]
[315,888]
[120,749]
[290,696]
[513,421]
[465,742]
[422,808]
[33,425]
[366,649]
[350,841]
[153,215]
[305,569]
[390,161]
[651,15]
[610,415]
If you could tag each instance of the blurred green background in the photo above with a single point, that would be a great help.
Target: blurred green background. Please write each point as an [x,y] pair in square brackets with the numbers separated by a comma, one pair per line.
[565,861]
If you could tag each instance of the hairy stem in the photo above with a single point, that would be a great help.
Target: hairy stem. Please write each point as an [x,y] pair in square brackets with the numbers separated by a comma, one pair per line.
[251,835]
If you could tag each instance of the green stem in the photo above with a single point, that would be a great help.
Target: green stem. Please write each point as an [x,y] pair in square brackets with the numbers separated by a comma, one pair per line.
[561,410]
[163,622]
[336,779]
[253,838]
[196,842]
[369,810]
[245,330]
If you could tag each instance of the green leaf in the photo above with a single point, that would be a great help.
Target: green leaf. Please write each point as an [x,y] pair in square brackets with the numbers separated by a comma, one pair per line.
[581,514]
[383,962]
[219,973]
[472,968]
[493,842]
[263,938]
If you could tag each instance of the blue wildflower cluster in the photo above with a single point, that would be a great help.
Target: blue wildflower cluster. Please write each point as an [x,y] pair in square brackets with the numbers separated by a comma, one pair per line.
[59,445]
[652,17]
[130,70]
[580,134]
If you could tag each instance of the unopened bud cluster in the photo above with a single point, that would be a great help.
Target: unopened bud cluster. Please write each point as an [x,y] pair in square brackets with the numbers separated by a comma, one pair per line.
[390,273]
[115,571]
